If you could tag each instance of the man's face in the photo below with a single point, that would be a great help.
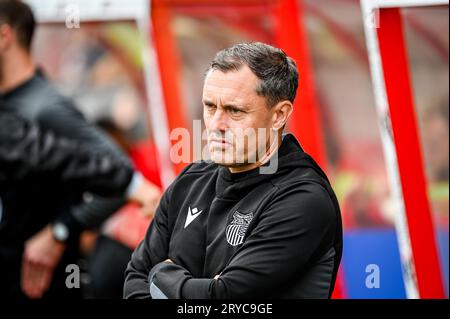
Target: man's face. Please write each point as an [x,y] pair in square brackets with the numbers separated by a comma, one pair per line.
[5,42]
[232,110]
[1,51]
[1,68]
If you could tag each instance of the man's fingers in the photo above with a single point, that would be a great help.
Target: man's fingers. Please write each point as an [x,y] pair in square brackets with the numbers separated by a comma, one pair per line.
[149,209]
[45,279]
[36,274]
[24,279]
[36,277]
[30,278]
[147,195]
[146,212]
[41,255]
[29,275]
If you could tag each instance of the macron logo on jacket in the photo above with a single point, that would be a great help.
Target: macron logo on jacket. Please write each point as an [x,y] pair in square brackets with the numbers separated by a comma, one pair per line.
[191,215]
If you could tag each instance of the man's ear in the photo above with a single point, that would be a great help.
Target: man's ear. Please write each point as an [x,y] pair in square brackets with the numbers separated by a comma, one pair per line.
[281,113]
[6,36]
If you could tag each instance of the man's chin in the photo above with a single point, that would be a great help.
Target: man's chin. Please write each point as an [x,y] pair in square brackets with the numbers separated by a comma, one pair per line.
[230,165]
[221,158]
[222,161]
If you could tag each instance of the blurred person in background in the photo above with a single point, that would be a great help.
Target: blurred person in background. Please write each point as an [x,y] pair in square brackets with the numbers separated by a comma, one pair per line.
[108,249]
[436,154]
[436,138]
[25,150]
[41,219]
[28,152]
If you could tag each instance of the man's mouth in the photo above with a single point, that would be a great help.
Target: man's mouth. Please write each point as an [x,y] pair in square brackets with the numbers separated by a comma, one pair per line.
[219,143]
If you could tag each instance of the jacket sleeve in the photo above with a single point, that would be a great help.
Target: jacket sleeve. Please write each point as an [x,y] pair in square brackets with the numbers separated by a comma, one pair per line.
[62,118]
[288,235]
[152,250]
[26,150]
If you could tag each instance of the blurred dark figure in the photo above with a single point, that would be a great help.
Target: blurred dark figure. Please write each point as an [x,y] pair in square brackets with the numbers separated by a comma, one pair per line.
[107,257]
[26,151]
[109,250]
[41,220]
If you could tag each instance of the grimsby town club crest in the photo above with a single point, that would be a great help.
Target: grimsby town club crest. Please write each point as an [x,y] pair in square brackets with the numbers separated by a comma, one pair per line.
[235,232]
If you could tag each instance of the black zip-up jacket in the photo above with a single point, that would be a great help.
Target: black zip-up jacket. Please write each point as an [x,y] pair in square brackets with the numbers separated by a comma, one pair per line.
[28,207]
[25,150]
[265,235]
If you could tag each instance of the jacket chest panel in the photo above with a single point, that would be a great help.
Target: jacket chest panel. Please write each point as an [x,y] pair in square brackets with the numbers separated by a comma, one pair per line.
[209,230]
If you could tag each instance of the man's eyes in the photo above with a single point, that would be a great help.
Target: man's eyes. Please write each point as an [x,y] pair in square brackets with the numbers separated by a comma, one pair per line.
[210,106]
[235,111]
[230,110]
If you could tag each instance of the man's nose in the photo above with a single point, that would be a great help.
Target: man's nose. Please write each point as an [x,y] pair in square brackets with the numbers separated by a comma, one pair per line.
[219,122]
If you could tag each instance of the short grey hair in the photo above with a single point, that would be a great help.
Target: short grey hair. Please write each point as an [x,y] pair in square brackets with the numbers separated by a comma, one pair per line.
[277,72]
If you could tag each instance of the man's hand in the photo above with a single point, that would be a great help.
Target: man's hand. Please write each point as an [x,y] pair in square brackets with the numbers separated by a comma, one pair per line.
[148,196]
[171,262]
[41,255]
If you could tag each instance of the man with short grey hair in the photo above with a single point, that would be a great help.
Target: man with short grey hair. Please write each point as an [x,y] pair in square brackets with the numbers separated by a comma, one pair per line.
[231,227]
